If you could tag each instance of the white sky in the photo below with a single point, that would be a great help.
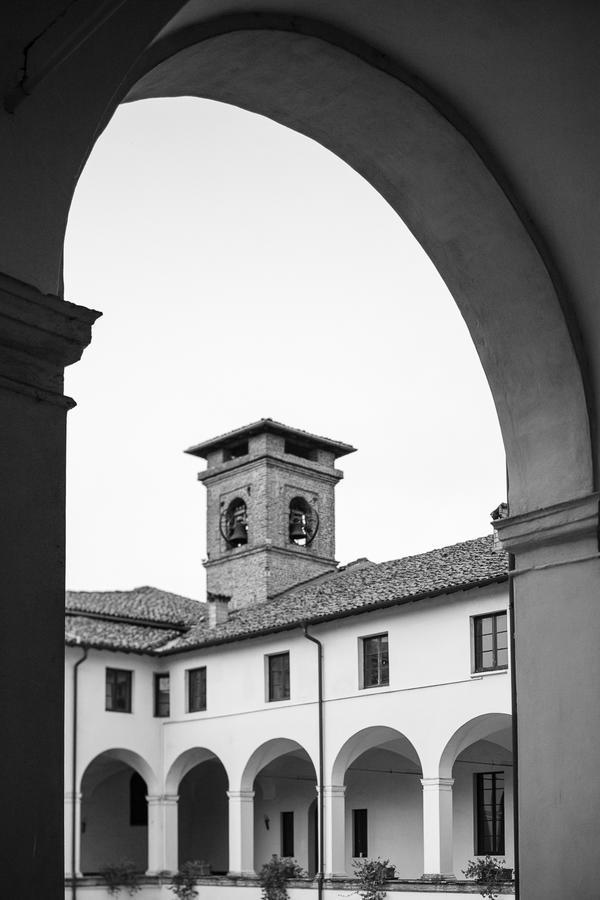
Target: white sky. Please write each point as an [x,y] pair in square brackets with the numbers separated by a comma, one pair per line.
[244,271]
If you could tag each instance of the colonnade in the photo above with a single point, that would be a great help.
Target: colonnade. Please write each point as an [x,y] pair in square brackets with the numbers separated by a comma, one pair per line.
[163,819]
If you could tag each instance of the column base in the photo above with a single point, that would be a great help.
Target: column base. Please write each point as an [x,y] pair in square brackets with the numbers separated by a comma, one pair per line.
[247,874]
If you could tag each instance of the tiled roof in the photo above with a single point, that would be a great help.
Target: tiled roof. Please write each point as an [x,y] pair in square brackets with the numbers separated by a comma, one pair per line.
[262,425]
[146,603]
[107,634]
[348,591]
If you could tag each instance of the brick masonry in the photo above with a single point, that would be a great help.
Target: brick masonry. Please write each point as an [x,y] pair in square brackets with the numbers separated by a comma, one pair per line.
[267,479]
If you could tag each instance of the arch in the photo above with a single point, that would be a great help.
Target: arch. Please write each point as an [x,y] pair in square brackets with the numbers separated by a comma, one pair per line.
[109,761]
[303,522]
[368,739]
[265,754]
[184,763]
[428,171]
[114,787]
[234,523]
[476,729]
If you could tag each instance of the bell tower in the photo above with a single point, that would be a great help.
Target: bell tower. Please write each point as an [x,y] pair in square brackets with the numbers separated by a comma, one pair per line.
[270,509]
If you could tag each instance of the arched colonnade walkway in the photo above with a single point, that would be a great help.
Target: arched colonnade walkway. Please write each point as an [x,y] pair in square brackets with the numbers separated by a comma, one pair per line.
[378,800]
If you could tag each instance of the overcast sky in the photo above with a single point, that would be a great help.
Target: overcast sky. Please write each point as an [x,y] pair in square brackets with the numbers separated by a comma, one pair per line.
[244,271]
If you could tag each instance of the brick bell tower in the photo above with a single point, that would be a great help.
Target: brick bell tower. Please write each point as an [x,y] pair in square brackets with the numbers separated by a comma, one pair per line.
[270,509]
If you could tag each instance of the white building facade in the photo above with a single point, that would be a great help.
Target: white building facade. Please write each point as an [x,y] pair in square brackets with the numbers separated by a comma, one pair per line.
[201,731]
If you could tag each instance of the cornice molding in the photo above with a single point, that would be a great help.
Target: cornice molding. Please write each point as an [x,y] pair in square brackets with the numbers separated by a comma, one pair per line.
[561,523]
[40,334]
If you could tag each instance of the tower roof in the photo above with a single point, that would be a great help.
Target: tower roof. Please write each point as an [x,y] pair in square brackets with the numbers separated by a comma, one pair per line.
[270,425]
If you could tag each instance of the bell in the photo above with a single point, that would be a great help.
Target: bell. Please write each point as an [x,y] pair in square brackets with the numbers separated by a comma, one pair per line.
[238,535]
[297,529]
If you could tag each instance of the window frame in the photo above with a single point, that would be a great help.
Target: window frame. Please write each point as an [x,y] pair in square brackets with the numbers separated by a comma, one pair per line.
[269,687]
[477,651]
[188,680]
[362,658]
[129,681]
[158,714]
[497,845]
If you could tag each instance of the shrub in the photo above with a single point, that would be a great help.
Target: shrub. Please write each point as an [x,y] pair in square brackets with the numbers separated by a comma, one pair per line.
[371,873]
[488,872]
[121,875]
[274,876]
[183,883]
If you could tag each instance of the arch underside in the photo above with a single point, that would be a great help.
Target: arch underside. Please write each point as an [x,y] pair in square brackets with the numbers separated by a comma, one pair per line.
[433,178]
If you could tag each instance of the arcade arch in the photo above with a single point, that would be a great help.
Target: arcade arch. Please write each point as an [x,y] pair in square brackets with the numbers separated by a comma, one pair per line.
[114,811]
[374,803]
[196,817]
[280,777]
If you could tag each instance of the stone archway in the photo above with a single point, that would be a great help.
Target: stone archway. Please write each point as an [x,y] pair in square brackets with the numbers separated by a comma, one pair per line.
[464,219]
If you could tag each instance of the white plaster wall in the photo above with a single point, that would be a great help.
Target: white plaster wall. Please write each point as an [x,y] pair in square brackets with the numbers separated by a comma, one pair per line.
[431,694]
[100,730]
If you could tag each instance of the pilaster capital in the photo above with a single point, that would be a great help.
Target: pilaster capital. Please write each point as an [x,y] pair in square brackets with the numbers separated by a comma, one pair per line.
[562,523]
[241,796]
[39,335]
[162,799]
[437,784]
[333,790]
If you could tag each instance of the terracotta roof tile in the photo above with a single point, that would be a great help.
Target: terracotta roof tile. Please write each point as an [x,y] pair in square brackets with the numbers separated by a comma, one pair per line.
[348,591]
[104,634]
[146,603]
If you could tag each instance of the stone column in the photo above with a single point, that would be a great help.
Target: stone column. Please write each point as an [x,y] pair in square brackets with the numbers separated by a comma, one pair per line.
[162,833]
[241,832]
[72,865]
[437,828]
[556,667]
[334,812]
[39,336]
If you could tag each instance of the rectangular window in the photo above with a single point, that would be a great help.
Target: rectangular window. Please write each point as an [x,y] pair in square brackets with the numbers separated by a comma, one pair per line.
[490,639]
[287,833]
[278,675]
[162,705]
[197,689]
[376,671]
[489,799]
[118,690]
[359,832]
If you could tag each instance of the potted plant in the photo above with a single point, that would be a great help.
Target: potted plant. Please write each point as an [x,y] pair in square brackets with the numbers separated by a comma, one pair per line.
[275,874]
[119,875]
[489,873]
[372,874]
[183,882]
